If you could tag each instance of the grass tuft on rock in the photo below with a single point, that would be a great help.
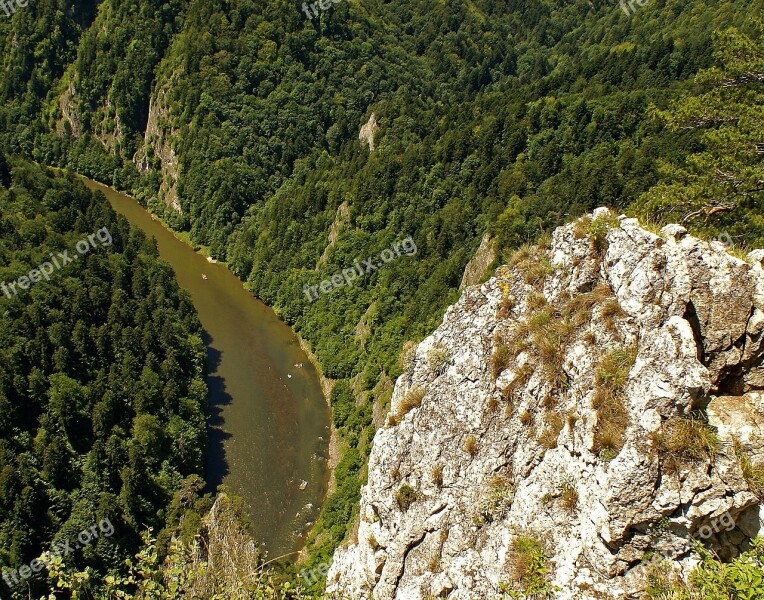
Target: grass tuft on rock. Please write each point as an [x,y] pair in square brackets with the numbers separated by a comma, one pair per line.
[528,566]
[612,415]
[411,400]
[406,496]
[688,439]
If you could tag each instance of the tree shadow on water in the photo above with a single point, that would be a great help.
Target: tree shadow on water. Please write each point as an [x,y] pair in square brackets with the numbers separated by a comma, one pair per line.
[216,463]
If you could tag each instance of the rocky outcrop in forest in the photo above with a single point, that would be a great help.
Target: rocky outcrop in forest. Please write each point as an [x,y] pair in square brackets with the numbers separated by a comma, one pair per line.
[576,420]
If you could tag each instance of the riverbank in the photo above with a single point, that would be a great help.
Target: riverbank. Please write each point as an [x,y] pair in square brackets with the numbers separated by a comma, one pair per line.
[335,453]
[270,424]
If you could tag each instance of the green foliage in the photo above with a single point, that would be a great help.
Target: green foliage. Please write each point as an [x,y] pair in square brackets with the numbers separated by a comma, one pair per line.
[97,365]
[405,496]
[720,186]
[529,569]
[740,579]
[599,228]
[190,571]
[503,117]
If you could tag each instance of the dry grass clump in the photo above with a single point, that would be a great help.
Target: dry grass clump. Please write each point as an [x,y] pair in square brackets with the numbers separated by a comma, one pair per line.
[523,374]
[471,445]
[612,421]
[536,301]
[550,401]
[687,439]
[579,309]
[581,227]
[540,320]
[439,358]
[407,355]
[528,567]
[612,416]
[532,263]
[611,312]
[437,475]
[433,565]
[522,255]
[753,474]
[496,500]
[526,418]
[614,368]
[535,271]
[505,306]
[518,340]
[554,425]
[663,582]
[412,399]
[500,359]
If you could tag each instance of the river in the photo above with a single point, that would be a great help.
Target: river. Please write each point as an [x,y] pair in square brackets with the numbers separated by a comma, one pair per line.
[269,423]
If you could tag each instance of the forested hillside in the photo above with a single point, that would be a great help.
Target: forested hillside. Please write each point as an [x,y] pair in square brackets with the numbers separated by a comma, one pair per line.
[238,122]
[102,393]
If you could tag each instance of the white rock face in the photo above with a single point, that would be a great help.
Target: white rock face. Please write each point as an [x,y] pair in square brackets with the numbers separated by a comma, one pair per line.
[509,443]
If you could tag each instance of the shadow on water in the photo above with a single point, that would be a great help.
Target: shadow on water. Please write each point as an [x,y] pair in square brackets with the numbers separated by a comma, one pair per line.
[216,463]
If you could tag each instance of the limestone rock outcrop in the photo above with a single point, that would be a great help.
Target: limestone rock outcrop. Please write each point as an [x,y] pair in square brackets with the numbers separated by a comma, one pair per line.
[594,402]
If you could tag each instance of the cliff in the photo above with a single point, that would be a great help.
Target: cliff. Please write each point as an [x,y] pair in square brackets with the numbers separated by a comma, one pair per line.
[579,418]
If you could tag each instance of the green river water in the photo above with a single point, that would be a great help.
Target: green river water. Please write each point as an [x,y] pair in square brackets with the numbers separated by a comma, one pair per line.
[269,424]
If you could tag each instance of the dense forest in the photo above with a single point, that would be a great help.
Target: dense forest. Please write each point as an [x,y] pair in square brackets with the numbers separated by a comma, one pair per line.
[102,392]
[238,122]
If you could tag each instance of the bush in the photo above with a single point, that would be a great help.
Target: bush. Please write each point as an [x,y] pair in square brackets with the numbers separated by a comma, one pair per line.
[741,579]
